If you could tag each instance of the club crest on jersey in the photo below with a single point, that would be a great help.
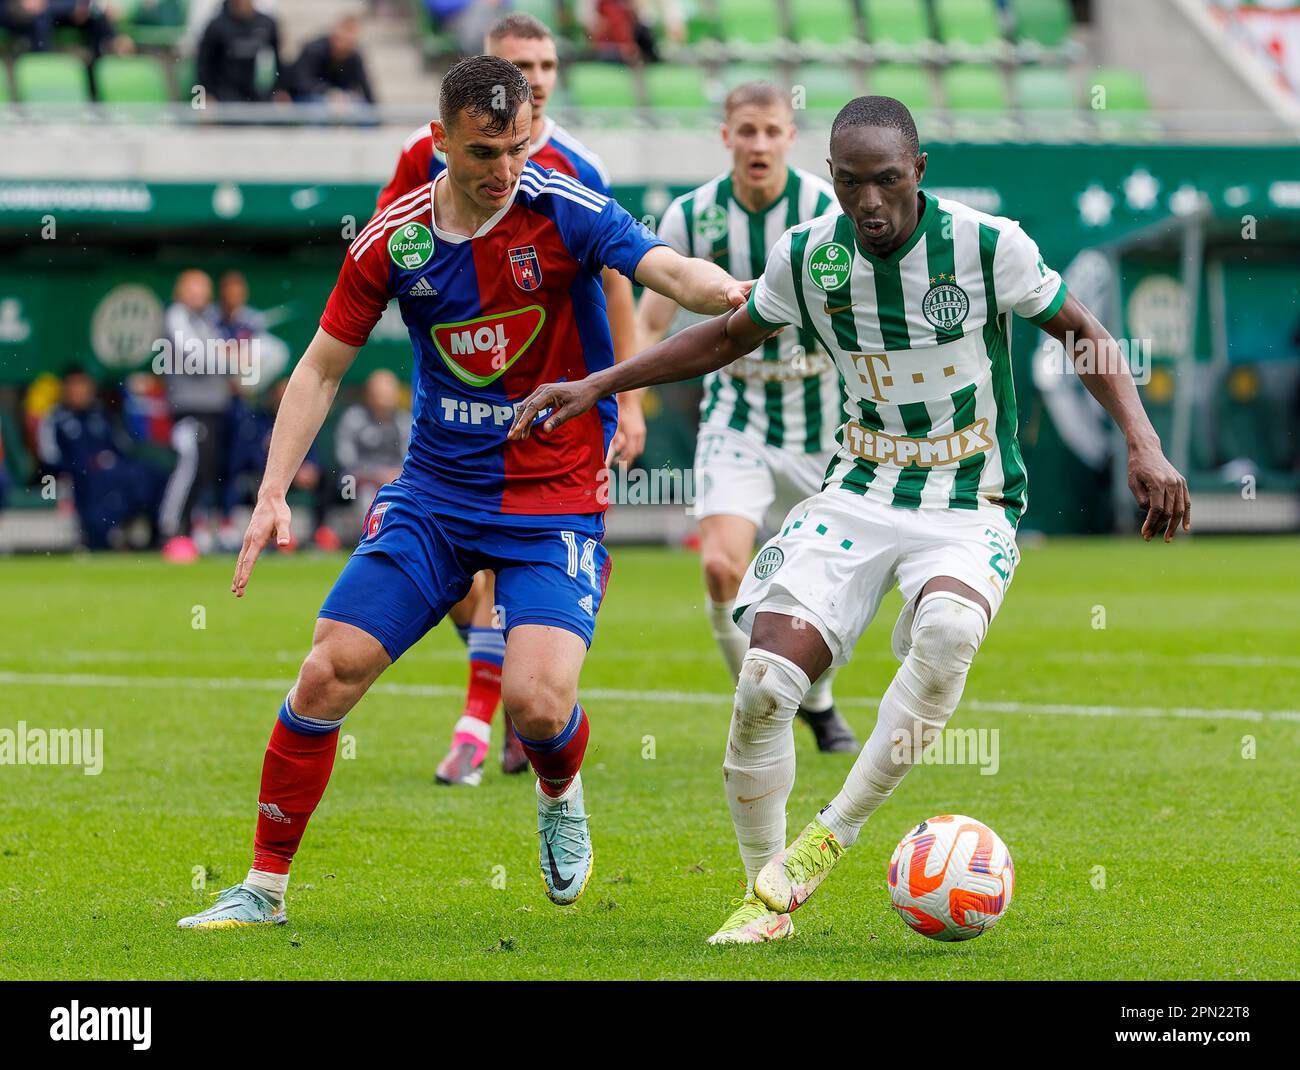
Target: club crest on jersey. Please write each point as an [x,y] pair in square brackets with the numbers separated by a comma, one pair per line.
[411,246]
[945,304]
[712,223]
[768,562]
[830,265]
[478,351]
[376,518]
[526,268]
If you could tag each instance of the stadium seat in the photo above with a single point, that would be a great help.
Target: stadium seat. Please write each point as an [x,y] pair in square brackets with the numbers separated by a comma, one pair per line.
[824,27]
[751,27]
[1045,89]
[155,23]
[970,87]
[971,26]
[601,86]
[51,78]
[1124,90]
[677,87]
[897,24]
[1044,22]
[131,80]
[827,86]
[547,12]
[908,82]
[734,74]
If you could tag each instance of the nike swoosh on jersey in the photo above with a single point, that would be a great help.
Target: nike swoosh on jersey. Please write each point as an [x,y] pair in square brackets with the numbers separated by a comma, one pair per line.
[838,308]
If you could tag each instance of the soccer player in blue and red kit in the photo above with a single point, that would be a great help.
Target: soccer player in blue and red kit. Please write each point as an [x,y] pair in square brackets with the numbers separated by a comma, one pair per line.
[496,267]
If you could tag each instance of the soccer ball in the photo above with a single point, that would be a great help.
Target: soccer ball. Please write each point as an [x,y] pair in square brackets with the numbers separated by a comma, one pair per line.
[951,878]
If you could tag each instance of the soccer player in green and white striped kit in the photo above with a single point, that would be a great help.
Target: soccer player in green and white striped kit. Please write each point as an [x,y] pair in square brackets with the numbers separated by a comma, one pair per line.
[768,420]
[913,296]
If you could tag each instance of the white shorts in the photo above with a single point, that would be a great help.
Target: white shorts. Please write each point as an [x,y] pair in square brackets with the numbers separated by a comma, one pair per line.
[738,476]
[837,555]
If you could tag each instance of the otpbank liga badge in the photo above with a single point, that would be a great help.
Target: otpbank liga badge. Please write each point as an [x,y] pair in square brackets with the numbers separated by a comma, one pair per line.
[411,246]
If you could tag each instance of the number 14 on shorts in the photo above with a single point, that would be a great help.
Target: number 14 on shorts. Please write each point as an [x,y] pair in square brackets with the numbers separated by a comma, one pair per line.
[586,562]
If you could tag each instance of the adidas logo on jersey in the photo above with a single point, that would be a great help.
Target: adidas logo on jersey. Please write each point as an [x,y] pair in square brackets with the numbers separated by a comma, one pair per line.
[422,289]
[585,602]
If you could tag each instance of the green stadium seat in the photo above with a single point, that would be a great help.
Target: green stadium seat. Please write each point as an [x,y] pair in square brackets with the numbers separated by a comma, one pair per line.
[154,23]
[1123,91]
[908,82]
[1044,22]
[676,86]
[734,74]
[897,24]
[51,78]
[970,87]
[601,87]
[1048,89]
[968,24]
[827,86]
[701,21]
[823,25]
[131,80]
[751,26]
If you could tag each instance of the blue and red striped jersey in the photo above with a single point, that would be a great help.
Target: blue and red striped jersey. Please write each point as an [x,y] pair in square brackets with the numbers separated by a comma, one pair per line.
[556,149]
[491,317]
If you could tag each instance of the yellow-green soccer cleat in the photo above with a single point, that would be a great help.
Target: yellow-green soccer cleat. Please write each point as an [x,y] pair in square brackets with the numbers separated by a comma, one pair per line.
[236,907]
[752,923]
[787,881]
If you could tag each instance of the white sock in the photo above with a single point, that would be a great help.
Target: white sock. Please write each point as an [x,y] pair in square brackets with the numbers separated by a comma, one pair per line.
[758,770]
[924,693]
[272,885]
[564,796]
[819,695]
[731,640]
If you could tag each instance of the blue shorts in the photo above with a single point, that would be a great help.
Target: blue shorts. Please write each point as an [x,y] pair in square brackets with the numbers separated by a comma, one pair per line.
[415,562]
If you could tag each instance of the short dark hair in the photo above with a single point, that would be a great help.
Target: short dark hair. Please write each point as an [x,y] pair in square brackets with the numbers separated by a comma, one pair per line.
[879,111]
[484,85]
[762,94]
[518,24]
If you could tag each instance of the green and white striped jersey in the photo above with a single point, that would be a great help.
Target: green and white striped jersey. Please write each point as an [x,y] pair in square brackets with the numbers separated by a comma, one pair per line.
[787,394]
[921,337]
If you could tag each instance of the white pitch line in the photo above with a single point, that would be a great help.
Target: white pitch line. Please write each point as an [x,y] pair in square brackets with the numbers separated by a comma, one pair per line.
[707,698]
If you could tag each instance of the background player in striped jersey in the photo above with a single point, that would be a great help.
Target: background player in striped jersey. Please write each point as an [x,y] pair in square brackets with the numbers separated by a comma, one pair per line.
[913,296]
[496,269]
[767,421]
[528,44]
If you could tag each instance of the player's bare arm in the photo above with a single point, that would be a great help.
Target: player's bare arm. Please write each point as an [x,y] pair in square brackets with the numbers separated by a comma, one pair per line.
[698,285]
[307,401]
[1157,485]
[629,440]
[703,348]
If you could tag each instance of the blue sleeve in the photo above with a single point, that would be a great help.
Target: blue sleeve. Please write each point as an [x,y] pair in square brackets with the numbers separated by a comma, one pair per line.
[590,177]
[618,240]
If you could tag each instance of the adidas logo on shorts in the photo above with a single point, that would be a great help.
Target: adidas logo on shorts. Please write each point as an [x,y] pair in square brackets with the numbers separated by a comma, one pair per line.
[585,603]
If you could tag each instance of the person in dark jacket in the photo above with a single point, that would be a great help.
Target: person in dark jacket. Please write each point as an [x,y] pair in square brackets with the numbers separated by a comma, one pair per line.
[331,67]
[229,51]
[81,440]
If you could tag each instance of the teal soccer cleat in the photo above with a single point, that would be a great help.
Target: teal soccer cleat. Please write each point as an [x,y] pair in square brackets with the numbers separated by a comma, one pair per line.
[564,844]
[236,907]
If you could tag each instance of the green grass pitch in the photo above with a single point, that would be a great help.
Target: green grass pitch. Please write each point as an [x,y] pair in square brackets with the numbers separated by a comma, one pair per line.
[1151,837]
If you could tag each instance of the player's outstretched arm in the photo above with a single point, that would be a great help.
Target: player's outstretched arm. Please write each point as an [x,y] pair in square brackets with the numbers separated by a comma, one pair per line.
[698,285]
[1157,485]
[703,348]
[303,409]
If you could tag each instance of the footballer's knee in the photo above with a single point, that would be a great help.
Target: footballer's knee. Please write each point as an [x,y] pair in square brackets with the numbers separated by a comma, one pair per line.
[335,674]
[768,692]
[946,633]
[722,574]
[539,709]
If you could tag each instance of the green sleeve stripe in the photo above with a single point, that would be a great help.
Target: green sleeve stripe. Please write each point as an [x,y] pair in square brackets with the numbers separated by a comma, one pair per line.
[966,484]
[753,312]
[1004,395]
[1052,309]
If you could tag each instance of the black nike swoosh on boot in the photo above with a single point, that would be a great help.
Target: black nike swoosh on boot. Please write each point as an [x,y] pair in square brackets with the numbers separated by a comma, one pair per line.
[560,885]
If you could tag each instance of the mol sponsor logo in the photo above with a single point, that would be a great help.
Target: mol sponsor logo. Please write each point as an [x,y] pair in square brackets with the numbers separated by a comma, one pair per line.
[478,351]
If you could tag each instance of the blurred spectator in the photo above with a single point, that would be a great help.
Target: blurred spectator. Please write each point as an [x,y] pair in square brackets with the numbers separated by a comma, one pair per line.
[249,451]
[621,30]
[234,43]
[467,21]
[36,20]
[371,438]
[234,320]
[330,68]
[201,395]
[80,440]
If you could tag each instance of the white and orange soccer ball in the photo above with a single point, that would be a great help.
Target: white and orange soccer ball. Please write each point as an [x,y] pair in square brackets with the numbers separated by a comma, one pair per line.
[951,878]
